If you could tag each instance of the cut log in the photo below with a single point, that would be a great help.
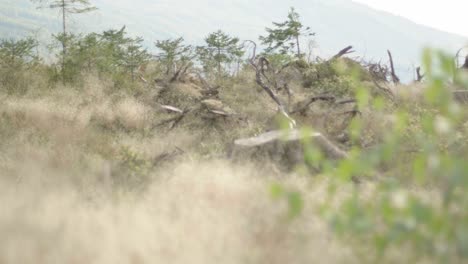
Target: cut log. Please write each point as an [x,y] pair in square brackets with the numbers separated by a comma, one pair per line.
[285,147]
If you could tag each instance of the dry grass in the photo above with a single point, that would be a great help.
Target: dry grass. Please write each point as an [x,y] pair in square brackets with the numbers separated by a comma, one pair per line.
[59,153]
[197,213]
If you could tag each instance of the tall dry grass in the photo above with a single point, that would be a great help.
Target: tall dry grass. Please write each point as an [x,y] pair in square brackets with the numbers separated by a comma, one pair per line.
[60,152]
[197,213]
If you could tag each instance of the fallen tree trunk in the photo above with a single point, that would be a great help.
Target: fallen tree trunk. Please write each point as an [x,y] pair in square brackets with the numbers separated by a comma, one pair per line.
[285,148]
[343,52]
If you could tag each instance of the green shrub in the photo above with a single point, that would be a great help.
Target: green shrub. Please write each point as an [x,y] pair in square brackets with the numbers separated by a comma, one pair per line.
[419,209]
[17,57]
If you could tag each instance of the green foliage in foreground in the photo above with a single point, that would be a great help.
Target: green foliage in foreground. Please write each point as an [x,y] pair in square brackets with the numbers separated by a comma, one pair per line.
[417,207]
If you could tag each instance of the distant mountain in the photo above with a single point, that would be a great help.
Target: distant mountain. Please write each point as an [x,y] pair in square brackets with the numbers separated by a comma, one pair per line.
[338,23]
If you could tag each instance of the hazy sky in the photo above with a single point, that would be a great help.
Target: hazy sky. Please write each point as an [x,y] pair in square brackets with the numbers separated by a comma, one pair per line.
[447,15]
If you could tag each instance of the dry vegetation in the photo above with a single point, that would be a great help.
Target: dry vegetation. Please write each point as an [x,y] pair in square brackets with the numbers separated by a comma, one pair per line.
[65,198]
[91,174]
[216,154]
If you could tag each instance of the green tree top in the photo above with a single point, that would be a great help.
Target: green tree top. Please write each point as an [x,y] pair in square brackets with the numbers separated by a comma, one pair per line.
[285,36]
[173,52]
[15,53]
[67,7]
[221,48]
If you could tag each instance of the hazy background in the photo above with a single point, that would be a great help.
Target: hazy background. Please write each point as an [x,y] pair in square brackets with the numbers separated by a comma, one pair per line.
[338,23]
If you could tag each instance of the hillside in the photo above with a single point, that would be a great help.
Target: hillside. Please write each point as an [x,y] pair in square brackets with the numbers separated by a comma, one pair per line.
[338,23]
[113,155]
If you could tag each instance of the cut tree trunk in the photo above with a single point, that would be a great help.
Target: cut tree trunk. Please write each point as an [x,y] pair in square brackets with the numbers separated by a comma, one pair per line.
[284,148]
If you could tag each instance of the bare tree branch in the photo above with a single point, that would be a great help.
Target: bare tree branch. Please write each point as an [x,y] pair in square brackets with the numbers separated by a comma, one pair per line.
[302,108]
[395,78]
[419,76]
[343,52]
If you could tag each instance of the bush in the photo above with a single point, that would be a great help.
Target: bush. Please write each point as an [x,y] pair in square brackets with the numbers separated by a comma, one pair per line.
[417,209]
[17,57]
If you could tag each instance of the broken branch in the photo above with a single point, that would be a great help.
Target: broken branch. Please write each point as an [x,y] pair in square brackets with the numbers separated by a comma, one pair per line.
[419,76]
[395,78]
[343,52]
[305,105]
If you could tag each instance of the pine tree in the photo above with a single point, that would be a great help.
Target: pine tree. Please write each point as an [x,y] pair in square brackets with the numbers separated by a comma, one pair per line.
[286,36]
[221,48]
[16,53]
[174,54]
[16,56]
[67,8]
[120,52]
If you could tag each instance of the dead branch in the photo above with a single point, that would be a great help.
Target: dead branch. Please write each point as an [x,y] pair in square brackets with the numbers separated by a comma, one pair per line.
[167,156]
[177,74]
[345,101]
[330,150]
[260,72]
[385,90]
[419,76]
[203,81]
[302,108]
[352,113]
[395,78]
[259,66]
[458,55]
[289,93]
[182,69]
[254,50]
[219,112]
[171,109]
[343,52]
[465,65]
[377,71]
[142,79]
[174,120]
